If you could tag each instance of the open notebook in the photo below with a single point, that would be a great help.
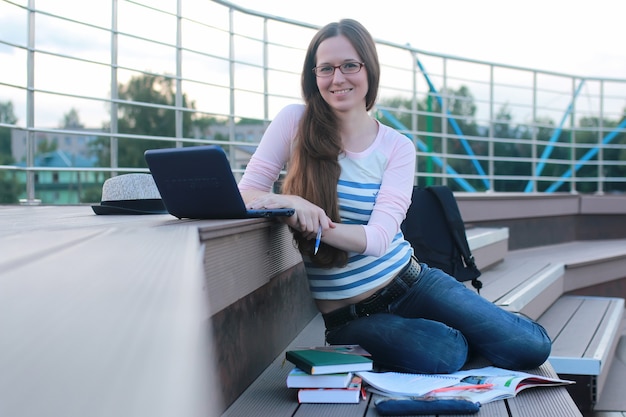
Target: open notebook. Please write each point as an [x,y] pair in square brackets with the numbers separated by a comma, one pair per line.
[197,183]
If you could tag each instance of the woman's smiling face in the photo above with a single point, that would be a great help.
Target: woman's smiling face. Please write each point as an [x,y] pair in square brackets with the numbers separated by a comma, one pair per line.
[342,92]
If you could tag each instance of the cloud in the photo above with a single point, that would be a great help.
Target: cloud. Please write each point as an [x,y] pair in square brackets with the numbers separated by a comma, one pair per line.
[12,31]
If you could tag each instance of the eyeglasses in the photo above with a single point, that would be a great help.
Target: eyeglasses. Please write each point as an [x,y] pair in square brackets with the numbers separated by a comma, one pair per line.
[345,68]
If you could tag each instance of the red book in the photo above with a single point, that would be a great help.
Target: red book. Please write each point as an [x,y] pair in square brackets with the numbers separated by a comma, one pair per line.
[351,394]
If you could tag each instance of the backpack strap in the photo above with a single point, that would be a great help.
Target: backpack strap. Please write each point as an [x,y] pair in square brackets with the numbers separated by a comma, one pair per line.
[457,227]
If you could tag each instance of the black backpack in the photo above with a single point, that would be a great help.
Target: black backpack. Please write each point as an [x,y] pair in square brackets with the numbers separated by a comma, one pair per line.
[435,229]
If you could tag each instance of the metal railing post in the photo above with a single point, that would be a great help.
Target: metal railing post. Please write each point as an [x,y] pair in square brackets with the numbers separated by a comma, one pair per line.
[113,126]
[600,171]
[231,78]
[30,107]
[490,143]
[178,113]
[572,148]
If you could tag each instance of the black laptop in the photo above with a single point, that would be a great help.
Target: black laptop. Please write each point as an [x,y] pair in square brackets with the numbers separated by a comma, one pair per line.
[197,183]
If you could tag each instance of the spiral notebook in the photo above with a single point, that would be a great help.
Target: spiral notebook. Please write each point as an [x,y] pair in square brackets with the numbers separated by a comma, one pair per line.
[405,384]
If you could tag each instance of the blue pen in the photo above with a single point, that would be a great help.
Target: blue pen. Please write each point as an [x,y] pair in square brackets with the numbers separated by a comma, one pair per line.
[318,239]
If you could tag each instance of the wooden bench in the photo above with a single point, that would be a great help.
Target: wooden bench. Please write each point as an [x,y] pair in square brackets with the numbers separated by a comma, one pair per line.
[268,396]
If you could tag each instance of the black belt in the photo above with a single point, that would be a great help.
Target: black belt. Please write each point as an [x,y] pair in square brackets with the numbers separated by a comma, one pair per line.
[379,301]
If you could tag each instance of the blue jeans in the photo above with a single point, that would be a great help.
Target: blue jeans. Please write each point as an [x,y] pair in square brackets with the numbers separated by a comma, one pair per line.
[438,323]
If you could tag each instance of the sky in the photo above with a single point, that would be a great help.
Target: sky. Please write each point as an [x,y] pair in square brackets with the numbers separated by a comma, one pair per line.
[579,38]
[583,38]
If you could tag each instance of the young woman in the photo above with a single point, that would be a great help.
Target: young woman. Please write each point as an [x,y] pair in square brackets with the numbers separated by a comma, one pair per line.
[351,177]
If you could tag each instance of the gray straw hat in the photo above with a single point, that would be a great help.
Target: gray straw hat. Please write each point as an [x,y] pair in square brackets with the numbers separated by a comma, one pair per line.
[130,194]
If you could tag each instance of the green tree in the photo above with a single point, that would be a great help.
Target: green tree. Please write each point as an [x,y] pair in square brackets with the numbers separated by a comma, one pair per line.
[201,125]
[462,108]
[9,186]
[502,126]
[138,115]
[71,120]
[612,154]
[461,103]
[507,145]
[248,121]
[619,154]
[43,146]
[7,116]
[557,161]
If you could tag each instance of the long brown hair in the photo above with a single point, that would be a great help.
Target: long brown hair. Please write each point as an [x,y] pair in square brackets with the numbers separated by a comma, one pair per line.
[314,169]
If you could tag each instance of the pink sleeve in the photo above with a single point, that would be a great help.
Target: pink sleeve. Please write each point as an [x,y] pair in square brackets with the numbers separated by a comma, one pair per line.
[393,199]
[273,151]
[394,196]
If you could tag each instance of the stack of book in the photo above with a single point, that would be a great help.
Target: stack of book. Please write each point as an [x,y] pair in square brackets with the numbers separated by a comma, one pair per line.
[326,374]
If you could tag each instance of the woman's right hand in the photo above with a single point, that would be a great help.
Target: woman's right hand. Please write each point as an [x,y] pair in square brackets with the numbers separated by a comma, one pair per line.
[307,218]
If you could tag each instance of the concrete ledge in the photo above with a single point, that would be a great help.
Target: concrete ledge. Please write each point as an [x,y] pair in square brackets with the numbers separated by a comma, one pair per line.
[542,219]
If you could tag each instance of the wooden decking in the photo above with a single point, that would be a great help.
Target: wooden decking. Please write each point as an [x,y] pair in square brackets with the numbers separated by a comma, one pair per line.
[269,396]
[112,307]
[103,315]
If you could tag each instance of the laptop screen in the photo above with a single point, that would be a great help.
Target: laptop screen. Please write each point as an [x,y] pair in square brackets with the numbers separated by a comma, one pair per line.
[197,182]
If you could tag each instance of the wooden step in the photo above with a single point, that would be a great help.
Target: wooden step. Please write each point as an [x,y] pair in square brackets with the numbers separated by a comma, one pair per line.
[489,246]
[593,262]
[612,396]
[525,285]
[531,280]
[585,332]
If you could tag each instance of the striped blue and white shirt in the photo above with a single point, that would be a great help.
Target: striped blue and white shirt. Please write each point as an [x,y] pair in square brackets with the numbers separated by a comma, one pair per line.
[374,189]
[358,189]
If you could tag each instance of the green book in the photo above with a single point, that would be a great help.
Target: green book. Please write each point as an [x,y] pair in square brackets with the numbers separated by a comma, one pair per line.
[318,362]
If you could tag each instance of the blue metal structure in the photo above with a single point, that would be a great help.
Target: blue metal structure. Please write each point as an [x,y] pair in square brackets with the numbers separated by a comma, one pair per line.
[587,157]
[422,147]
[455,126]
[555,137]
